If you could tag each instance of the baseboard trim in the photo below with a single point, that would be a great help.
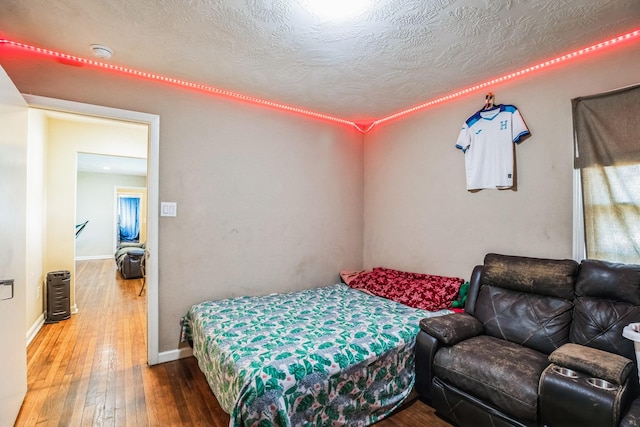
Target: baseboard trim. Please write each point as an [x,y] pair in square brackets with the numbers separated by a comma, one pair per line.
[90,257]
[74,309]
[172,355]
[35,328]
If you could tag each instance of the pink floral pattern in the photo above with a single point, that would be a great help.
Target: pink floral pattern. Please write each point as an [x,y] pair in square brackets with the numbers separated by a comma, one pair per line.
[424,291]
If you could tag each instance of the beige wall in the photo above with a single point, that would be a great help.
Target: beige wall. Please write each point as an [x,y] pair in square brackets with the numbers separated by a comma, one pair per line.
[418,214]
[65,139]
[267,201]
[36,193]
[96,203]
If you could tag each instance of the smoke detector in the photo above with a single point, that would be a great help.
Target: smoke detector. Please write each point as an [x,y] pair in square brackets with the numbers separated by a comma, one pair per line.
[102,52]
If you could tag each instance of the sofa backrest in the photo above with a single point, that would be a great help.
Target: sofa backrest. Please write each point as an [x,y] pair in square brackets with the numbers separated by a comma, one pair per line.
[607,300]
[527,300]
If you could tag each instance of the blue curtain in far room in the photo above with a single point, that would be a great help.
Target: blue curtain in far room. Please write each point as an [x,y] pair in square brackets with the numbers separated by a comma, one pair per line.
[129,219]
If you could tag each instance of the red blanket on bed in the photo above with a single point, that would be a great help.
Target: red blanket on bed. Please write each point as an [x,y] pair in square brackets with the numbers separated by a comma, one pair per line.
[424,291]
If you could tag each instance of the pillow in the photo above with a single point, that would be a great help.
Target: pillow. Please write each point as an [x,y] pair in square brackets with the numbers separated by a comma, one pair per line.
[348,276]
[424,291]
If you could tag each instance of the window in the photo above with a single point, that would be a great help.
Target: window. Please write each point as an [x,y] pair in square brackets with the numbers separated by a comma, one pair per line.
[128,219]
[607,180]
[611,209]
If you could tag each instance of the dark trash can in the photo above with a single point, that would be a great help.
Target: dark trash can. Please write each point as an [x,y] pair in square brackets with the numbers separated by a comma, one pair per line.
[58,296]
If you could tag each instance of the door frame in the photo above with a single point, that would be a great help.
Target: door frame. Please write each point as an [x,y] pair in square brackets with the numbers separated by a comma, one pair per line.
[14,265]
[153,172]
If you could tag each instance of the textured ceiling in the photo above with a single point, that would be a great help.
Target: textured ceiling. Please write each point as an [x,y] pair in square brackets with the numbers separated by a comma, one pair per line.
[392,55]
[97,163]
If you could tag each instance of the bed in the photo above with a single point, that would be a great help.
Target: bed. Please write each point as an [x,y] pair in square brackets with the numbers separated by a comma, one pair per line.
[327,356]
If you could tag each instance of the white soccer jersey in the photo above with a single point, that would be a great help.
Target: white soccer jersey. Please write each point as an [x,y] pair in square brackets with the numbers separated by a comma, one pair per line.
[486,139]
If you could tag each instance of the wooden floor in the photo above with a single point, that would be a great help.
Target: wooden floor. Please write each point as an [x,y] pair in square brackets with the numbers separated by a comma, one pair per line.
[91,369]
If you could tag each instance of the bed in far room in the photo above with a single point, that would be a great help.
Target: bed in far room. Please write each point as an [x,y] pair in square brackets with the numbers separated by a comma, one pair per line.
[327,356]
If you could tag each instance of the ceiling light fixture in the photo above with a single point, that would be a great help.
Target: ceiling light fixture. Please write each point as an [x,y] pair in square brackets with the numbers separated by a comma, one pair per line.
[336,10]
[362,127]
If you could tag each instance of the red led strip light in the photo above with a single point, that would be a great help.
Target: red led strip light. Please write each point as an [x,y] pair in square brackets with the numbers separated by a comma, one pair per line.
[504,78]
[178,82]
[364,128]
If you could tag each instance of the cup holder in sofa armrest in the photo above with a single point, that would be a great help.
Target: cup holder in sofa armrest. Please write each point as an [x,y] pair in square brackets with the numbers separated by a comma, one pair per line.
[600,383]
[565,372]
[599,364]
[575,398]
[580,378]
[596,382]
[450,329]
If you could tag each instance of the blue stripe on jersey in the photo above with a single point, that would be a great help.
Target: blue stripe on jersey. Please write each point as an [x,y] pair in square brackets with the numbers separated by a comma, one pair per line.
[520,135]
[474,119]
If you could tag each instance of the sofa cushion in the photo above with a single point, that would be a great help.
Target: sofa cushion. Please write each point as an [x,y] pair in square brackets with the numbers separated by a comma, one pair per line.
[130,250]
[539,322]
[541,276]
[608,280]
[598,323]
[499,372]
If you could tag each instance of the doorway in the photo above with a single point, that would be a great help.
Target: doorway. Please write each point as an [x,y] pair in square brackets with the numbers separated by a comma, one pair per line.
[129,218]
[152,123]
[101,181]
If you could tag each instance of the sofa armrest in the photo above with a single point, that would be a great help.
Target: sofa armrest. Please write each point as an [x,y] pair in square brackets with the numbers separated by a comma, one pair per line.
[597,363]
[584,386]
[450,329]
[426,349]
[474,290]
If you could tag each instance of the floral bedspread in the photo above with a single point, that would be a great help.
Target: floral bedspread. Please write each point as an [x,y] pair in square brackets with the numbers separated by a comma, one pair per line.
[327,356]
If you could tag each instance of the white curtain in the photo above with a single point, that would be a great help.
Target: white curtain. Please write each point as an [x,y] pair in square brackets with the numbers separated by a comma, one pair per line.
[607,152]
[129,219]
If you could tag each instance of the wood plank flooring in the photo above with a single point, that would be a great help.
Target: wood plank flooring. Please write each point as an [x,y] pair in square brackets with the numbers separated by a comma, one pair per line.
[91,369]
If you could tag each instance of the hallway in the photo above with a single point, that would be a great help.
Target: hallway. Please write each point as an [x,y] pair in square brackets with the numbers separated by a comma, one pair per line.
[91,369]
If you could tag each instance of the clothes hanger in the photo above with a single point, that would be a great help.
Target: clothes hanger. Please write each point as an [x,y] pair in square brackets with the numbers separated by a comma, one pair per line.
[488,101]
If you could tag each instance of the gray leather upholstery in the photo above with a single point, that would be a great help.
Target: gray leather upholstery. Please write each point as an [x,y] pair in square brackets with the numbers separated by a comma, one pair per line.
[130,260]
[539,276]
[608,299]
[536,321]
[528,308]
[499,372]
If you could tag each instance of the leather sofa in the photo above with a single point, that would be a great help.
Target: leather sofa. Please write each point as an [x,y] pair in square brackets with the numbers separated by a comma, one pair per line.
[130,258]
[539,344]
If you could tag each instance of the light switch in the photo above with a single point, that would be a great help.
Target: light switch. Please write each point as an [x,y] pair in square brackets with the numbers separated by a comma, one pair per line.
[168,208]
[6,289]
